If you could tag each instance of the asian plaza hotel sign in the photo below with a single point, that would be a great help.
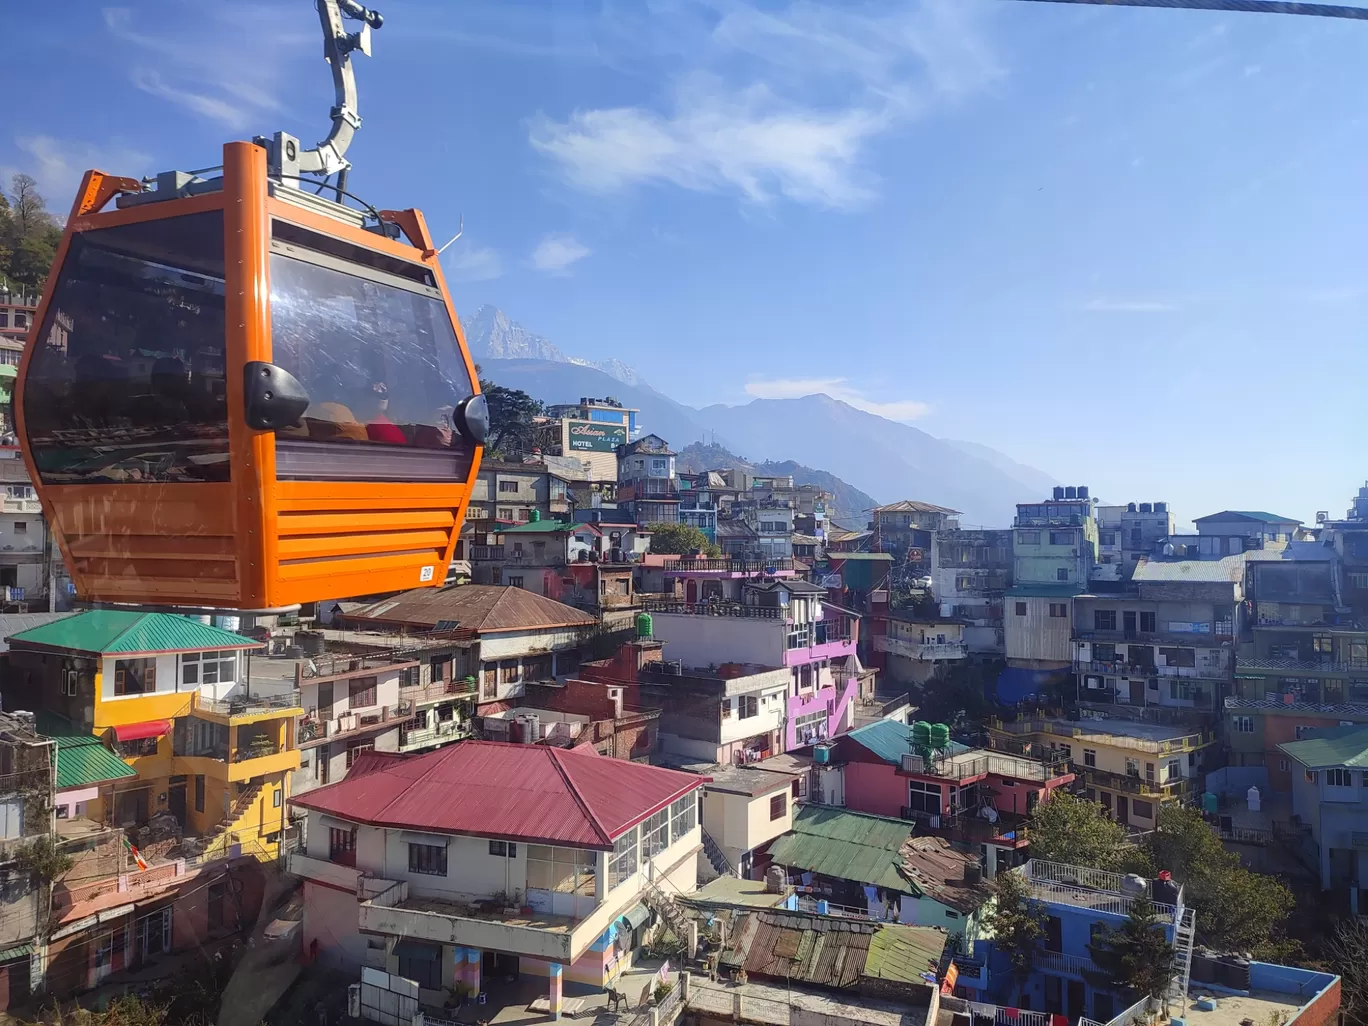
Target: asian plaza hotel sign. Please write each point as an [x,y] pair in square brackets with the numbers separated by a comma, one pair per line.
[588,437]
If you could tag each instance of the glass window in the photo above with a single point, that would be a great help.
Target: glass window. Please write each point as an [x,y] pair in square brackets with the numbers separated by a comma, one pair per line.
[567,870]
[683,817]
[135,676]
[503,849]
[655,834]
[208,668]
[375,351]
[1104,619]
[924,797]
[127,381]
[361,693]
[428,859]
[623,862]
[778,806]
[1090,757]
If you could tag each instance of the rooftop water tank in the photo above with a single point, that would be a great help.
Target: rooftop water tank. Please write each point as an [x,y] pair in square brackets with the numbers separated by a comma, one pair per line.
[1130,507]
[1070,492]
[1058,492]
[940,736]
[1161,507]
[921,734]
[1144,507]
[1082,491]
[644,625]
[821,754]
[534,516]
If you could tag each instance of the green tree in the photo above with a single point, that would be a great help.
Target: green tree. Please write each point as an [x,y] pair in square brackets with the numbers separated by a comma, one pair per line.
[1346,953]
[958,695]
[1017,921]
[1066,828]
[1237,910]
[30,234]
[680,540]
[511,413]
[1136,957]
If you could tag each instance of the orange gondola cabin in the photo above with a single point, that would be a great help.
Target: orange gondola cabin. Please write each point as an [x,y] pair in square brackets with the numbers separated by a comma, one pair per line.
[240,394]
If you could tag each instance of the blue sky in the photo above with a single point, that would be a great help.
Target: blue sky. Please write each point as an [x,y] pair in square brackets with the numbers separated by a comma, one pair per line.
[1125,246]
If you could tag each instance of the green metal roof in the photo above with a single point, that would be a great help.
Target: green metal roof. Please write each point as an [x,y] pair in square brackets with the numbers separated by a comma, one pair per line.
[1247,514]
[1336,746]
[904,953]
[112,631]
[82,758]
[18,951]
[539,527]
[846,846]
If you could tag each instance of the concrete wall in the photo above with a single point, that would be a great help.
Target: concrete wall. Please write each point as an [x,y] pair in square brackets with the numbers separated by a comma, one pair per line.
[740,823]
[875,787]
[836,703]
[705,640]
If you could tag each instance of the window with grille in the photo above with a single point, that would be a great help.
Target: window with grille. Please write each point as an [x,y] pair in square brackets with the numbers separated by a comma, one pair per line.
[355,748]
[508,671]
[428,859]
[1104,619]
[361,693]
[623,862]
[778,806]
[503,849]
[342,846]
[655,834]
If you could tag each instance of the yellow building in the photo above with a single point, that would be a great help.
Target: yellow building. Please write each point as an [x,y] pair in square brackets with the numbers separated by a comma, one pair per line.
[1130,767]
[171,696]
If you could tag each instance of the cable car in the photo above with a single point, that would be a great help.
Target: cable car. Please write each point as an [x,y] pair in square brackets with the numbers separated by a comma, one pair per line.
[243,394]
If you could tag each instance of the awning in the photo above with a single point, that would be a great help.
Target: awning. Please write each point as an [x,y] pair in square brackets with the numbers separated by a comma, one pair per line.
[19,951]
[636,917]
[417,949]
[138,731]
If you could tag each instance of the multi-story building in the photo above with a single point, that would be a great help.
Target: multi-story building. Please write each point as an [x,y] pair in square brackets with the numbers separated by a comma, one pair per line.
[646,481]
[744,808]
[511,493]
[1166,641]
[737,538]
[917,649]
[698,502]
[1078,903]
[172,697]
[1233,531]
[977,799]
[1130,767]
[1054,547]
[590,430]
[31,572]
[1349,538]
[17,312]
[772,522]
[729,715]
[1330,797]
[507,636]
[905,529]
[970,574]
[778,623]
[482,859]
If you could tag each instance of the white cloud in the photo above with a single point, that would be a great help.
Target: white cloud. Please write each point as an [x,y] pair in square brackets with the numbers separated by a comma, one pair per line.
[1128,306]
[555,253]
[57,165]
[837,388]
[200,66]
[474,263]
[775,134]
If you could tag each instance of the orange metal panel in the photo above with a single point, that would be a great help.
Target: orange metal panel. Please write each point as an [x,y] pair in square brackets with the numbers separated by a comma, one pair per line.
[247,295]
[332,545]
[354,523]
[338,230]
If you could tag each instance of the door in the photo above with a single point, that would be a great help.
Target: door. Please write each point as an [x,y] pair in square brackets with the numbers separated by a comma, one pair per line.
[1137,692]
[1106,799]
[691,591]
[175,800]
[321,767]
[1077,1005]
[325,701]
[1128,622]
[1122,815]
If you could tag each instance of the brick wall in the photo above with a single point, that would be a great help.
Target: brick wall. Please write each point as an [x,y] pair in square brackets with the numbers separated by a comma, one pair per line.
[1323,1011]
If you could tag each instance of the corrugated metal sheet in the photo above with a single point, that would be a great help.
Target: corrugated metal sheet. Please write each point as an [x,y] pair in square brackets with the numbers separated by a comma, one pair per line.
[525,793]
[85,762]
[913,506]
[1337,746]
[14,623]
[111,632]
[890,740]
[1244,515]
[846,846]
[903,953]
[477,607]
[1226,570]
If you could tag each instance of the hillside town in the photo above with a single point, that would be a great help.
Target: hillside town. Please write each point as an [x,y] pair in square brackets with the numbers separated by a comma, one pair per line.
[694,743]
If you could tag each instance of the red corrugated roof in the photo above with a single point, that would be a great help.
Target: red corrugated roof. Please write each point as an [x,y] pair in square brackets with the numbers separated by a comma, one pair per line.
[529,793]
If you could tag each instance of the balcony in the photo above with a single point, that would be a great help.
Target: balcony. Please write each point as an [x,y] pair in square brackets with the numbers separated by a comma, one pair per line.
[1144,670]
[1093,889]
[730,565]
[255,762]
[1274,667]
[439,690]
[439,733]
[1058,962]
[1133,783]
[930,651]
[1287,704]
[314,731]
[728,609]
[1099,733]
[12,505]
[486,553]
[246,706]
[1181,639]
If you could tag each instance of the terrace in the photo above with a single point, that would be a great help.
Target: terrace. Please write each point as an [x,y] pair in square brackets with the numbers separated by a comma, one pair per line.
[1094,889]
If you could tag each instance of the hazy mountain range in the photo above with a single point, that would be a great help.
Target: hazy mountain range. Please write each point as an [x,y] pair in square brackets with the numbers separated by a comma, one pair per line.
[877,457]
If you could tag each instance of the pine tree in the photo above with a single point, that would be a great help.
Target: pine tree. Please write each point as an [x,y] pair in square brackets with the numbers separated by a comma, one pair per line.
[1136,958]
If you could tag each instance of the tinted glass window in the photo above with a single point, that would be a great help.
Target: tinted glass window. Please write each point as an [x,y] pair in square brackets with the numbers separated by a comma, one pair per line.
[127,382]
[377,355]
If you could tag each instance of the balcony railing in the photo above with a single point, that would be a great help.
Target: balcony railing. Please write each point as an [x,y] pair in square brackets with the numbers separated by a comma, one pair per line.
[315,729]
[439,689]
[1303,665]
[737,565]
[487,553]
[1143,670]
[927,651]
[1098,729]
[247,705]
[1133,783]
[823,632]
[1181,639]
[440,732]
[251,751]
[731,609]
[1058,962]
[1082,887]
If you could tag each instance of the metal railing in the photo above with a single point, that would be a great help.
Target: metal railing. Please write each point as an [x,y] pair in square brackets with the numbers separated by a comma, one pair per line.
[1056,961]
[1083,887]
[1348,708]
[1098,728]
[1303,665]
[729,609]
[925,650]
[481,553]
[818,906]
[734,564]
[1134,783]
[1144,670]
[247,705]
[822,632]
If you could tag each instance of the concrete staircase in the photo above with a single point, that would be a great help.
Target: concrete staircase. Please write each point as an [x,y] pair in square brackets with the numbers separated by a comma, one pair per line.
[233,822]
[666,908]
[717,858]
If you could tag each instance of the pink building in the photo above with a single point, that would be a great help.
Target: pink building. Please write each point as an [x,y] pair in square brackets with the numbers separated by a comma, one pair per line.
[970,796]
[772,621]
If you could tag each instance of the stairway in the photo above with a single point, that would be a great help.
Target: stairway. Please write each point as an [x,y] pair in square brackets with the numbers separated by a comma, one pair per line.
[666,908]
[1184,933]
[220,839]
[717,857]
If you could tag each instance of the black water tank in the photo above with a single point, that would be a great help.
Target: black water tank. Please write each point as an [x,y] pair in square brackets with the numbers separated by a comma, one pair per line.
[1058,492]
[1130,507]
[1161,507]
[1144,507]
[1205,969]
[1082,491]
[1070,492]
[1233,973]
